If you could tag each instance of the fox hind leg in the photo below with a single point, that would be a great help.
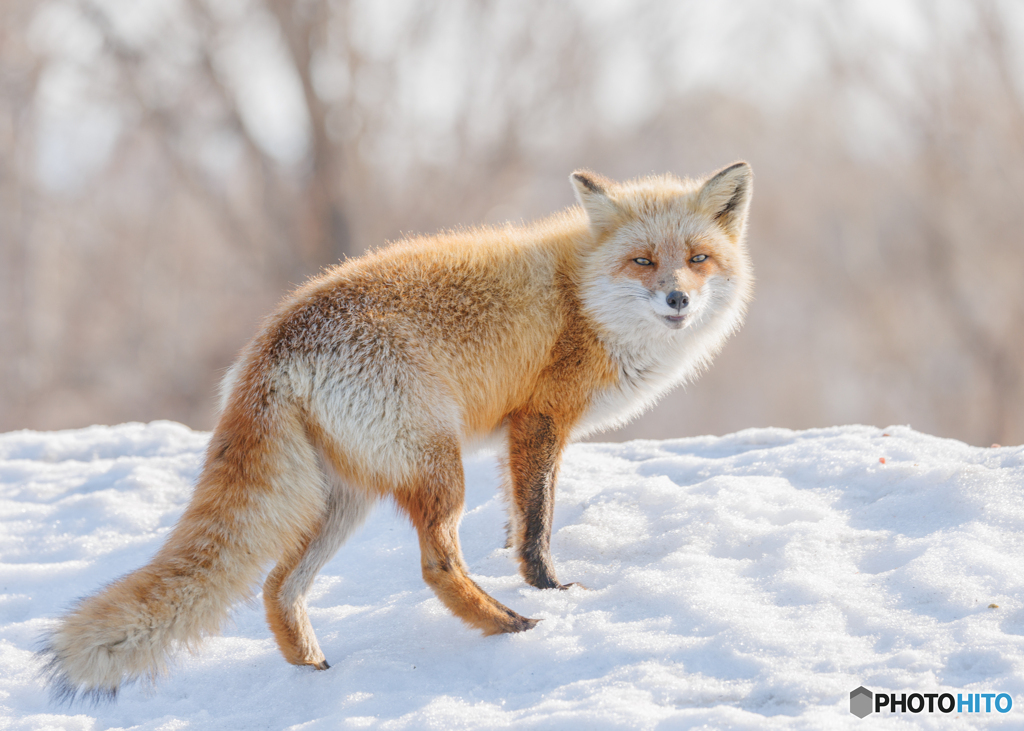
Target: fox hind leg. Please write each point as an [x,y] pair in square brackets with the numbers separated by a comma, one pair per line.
[434,505]
[284,593]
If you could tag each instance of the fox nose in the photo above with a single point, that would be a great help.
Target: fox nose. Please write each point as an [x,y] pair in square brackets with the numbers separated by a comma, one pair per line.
[677,299]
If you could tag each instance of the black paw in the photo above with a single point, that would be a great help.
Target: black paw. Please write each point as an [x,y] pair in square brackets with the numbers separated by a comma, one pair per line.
[566,587]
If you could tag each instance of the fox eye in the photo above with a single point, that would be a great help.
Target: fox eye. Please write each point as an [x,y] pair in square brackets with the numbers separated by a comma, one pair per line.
[699,258]
[643,262]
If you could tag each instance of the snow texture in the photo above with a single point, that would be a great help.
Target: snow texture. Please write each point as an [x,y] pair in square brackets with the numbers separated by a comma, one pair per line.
[749,581]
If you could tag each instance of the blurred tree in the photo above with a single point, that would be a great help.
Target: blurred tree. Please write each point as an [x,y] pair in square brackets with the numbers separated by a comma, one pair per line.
[169,169]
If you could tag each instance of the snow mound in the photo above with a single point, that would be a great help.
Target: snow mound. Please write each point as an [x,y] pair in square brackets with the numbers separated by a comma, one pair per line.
[749,581]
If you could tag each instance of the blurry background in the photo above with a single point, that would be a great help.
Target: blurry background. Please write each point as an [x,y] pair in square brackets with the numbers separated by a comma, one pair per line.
[170,168]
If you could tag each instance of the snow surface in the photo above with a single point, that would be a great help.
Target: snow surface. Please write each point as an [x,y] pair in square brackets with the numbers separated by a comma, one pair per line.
[749,581]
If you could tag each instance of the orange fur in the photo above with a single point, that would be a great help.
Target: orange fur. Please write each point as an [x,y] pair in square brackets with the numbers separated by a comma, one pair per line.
[371,379]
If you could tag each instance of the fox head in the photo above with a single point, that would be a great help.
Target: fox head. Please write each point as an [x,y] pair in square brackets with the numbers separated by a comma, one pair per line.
[667,254]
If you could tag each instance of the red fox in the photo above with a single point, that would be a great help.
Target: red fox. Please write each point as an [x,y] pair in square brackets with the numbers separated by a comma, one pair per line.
[370,380]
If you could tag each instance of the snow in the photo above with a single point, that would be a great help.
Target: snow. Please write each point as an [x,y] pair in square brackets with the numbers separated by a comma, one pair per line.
[749,581]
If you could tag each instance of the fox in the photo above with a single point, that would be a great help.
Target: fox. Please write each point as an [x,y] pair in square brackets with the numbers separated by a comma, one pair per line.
[371,380]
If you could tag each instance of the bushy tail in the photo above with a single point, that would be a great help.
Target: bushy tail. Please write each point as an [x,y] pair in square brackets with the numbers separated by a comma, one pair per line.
[260,492]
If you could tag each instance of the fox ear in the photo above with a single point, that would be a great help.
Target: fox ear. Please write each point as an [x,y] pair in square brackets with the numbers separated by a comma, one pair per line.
[592,193]
[726,196]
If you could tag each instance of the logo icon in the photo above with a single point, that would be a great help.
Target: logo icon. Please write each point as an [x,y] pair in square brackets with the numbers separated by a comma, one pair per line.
[860,702]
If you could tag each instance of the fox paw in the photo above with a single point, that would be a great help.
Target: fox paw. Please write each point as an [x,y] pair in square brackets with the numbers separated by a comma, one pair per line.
[510,623]
[521,625]
[549,583]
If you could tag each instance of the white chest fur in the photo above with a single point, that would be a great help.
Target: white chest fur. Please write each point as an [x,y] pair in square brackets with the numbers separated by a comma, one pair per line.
[643,377]
[651,362]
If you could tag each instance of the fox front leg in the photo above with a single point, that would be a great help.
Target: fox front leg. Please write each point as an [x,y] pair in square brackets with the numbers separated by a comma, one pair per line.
[535,451]
[434,505]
